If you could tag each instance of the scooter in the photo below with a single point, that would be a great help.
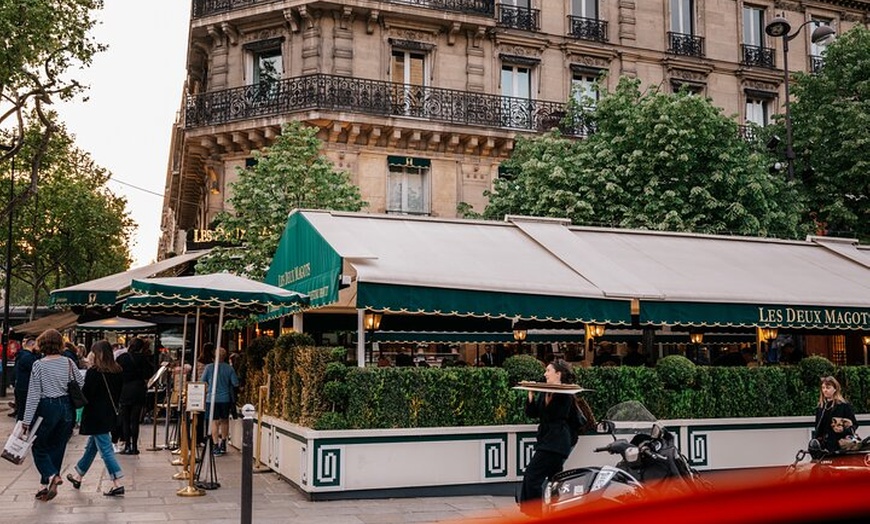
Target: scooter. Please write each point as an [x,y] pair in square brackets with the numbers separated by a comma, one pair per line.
[649,461]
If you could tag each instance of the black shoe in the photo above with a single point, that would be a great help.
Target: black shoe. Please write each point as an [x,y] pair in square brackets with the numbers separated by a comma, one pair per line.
[115,492]
[72,480]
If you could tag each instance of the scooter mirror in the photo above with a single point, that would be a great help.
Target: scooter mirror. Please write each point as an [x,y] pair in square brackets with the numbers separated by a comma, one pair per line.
[605,426]
[656,431]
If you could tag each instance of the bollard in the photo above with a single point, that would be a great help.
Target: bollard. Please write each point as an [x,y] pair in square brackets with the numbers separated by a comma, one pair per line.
[248,413]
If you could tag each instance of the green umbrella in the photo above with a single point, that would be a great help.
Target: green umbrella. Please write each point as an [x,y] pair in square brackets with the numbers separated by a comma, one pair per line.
[223,293]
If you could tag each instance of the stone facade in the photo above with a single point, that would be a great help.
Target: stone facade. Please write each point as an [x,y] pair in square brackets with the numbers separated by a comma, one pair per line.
[428,83]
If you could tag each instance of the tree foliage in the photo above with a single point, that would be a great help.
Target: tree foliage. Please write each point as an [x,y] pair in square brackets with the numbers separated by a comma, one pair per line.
[655,161]
[42,41]
[74,229]
[831,126]
[289,174]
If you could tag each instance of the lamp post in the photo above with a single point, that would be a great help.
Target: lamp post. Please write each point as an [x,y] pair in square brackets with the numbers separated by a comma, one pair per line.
[7,290]
[779,27]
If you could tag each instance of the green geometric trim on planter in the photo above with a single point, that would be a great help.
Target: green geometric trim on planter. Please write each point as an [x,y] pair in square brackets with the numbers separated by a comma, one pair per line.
[494,452]
[697,448]
[327,466]
[525,449]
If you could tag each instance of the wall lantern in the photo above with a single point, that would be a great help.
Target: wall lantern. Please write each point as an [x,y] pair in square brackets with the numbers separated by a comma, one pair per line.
[696,338]
[372,320]
[595,330]
[520,334]
[768,333]
[866,340]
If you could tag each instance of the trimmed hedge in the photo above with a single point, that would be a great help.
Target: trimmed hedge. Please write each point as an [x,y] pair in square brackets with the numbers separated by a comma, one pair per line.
[315,387]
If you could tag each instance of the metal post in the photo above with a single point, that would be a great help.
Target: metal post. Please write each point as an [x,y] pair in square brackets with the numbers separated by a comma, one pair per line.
[789,146]
[247,460]
[261,392]
[7,289]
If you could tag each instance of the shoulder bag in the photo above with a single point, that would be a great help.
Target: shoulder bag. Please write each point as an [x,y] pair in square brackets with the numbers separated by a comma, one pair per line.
[109,391]
[74,390]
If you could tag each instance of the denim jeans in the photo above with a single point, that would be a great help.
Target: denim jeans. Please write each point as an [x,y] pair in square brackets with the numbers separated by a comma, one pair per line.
[103,444]
[58,418]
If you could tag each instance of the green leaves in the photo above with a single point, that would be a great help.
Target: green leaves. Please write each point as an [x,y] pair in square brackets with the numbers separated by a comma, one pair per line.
[656,161]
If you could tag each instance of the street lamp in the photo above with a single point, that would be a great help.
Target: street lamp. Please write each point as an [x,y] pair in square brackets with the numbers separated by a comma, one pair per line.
[779,27]
[372,323]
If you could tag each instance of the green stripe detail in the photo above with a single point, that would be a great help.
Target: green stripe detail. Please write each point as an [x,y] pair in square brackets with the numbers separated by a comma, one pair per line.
[750,315]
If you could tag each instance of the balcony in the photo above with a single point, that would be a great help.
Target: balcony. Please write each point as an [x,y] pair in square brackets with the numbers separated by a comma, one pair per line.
[203,8]
[685,45]
[523,18]
[816,64]
[587,28]
[372,97]
[755,56]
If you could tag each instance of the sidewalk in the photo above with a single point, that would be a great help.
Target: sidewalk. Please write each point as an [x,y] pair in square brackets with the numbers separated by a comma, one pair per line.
[151,495]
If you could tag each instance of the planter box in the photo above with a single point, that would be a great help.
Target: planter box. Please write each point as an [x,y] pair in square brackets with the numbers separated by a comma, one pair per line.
[382,463]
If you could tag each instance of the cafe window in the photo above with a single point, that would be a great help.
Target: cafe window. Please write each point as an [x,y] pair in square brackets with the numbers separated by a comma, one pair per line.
[408,183]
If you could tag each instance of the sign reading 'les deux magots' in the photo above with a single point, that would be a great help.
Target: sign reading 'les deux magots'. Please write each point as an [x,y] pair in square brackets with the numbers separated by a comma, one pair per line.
[814,317]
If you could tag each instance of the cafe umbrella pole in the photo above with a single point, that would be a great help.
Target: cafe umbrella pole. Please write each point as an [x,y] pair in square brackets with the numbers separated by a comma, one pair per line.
[211,480]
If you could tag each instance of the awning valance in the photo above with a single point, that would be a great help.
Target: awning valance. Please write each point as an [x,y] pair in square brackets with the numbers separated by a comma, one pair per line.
[117,324]
[107,291]
[749,315]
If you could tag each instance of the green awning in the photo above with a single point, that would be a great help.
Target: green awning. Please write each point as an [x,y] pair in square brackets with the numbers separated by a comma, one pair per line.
[397,298]
[749,315]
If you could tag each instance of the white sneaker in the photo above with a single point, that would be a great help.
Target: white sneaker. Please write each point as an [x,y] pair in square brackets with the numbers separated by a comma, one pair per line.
[116,448]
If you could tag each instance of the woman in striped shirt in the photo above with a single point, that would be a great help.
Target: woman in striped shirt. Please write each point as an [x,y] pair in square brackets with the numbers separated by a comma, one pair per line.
[48,398]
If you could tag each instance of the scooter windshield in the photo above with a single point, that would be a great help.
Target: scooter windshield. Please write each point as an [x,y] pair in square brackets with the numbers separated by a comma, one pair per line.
[631,414]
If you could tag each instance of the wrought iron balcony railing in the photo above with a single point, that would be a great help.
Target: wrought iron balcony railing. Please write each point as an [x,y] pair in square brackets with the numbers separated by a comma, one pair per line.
[588,28]
[756,56]
[474,7]
[523,18]
[202,8]
[747,132]
[686,45]
[373,97]
[816,64]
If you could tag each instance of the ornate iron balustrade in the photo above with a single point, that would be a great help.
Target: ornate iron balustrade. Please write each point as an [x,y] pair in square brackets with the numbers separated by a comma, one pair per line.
[524,18]
[203,8]
[816,64]
[747,132]
[686,45]
[471,7]
[373,97]
[754,55]
[588,28]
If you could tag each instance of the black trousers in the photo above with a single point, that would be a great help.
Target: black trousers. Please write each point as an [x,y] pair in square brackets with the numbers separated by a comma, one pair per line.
[130,417]
[544,465]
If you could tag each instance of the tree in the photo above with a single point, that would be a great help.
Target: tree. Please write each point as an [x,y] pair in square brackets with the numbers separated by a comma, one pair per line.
[287,175]
[42,40]
[74,229]
[831,124]
[655,161]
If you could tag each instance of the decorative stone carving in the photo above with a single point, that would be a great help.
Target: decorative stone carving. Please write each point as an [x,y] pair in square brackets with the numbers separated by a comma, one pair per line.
[262,35]
[759,86]
[372,21]
[796,7]
[688,76]
[520,51]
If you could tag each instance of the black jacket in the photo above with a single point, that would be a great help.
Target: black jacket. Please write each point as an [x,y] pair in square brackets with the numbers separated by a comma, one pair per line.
[833,422]
[98,415]
[136,370]
[554,435]
[23,365]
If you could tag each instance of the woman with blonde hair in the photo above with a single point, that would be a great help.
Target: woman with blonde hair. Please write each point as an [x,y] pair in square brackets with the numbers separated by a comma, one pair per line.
[103,390]
[835,418]
[48,397]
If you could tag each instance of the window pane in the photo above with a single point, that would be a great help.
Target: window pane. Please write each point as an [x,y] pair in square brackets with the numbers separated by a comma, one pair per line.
[753,18]
[585,8]
[818,49]
[268,66]
[681,16]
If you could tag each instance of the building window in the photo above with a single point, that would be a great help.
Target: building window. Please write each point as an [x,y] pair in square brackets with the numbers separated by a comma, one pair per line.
[266,68]
[516,90]
[584,90]
[408,68]
[408,185]
[758,111]
[817,49]
[682,16]
[585,8]
[690,88]
[753,51]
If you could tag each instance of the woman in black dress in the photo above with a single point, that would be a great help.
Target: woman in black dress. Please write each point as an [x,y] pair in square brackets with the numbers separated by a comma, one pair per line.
[835,418]
[136,369]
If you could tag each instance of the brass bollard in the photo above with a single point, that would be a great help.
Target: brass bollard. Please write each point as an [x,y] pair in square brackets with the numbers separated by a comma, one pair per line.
[184,457]
[259,467]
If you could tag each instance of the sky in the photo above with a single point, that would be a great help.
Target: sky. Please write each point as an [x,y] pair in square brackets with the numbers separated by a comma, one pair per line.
[136,88]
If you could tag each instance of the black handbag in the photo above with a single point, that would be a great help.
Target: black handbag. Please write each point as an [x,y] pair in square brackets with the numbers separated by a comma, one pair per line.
[74,390]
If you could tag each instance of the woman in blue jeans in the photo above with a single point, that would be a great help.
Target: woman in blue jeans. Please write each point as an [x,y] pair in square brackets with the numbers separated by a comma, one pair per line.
[48,398]
[102,389]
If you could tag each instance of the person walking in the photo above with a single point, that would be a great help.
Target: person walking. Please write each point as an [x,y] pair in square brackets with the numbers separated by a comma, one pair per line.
[224,397]
[136,369]
[103,390]
[48,397]
[23,366]
[554,437]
